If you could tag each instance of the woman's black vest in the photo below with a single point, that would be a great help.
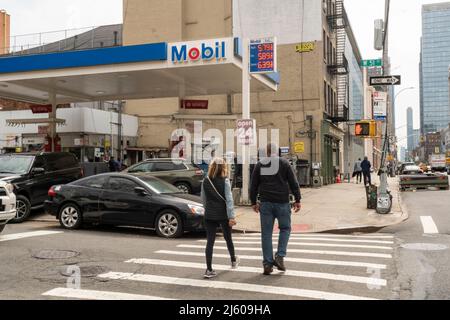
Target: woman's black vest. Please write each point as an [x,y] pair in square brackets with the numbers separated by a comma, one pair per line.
[215,207]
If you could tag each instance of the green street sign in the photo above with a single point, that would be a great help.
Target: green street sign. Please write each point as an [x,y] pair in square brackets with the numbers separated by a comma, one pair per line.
[372,63]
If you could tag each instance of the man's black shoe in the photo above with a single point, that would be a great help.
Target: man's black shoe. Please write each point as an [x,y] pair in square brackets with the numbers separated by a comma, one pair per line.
[279,263]
[268,270]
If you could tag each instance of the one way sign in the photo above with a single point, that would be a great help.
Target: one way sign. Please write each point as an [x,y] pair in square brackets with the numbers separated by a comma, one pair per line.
[386,81]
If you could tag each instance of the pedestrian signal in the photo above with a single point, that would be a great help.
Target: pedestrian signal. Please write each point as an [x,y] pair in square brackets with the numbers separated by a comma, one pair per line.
[366,129]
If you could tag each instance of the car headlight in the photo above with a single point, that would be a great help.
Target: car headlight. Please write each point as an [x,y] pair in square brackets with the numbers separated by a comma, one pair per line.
[196,209]
[10,188]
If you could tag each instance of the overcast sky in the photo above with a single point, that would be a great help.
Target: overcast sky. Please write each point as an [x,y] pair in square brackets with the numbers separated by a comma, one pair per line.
[31,16]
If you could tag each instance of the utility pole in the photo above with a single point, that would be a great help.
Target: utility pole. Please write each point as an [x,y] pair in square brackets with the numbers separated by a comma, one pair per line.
[245,115]
[384,202]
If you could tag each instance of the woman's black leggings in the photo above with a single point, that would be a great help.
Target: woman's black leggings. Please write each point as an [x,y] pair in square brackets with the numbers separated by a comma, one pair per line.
[211,229]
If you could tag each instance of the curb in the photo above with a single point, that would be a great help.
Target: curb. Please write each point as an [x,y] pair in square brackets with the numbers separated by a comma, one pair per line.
[356,229]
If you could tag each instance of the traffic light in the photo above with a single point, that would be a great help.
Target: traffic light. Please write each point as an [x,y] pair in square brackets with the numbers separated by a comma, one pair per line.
[366,129]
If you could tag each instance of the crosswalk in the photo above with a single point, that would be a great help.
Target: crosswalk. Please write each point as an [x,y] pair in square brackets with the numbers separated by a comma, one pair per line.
[320,266]
[24,235]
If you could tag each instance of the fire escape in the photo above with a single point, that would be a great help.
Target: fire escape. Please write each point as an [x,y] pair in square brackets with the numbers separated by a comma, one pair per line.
[338,66]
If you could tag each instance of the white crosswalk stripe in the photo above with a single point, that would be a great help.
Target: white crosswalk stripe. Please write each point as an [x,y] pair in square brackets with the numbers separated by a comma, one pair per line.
[97,295]
[23,235]
[353,274]
[320,235]
[249,287]
[307,244]
[295,273]
[287,259]
[327,239]
[321,252]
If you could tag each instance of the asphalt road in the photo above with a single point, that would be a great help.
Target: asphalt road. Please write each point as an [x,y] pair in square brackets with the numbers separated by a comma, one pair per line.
[39,260]
[111,264]
[422,271]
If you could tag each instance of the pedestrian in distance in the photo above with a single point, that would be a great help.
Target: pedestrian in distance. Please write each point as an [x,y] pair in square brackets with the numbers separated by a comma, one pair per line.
[112,165]
[357,171]
[217,199]
[366,167]
[271,179]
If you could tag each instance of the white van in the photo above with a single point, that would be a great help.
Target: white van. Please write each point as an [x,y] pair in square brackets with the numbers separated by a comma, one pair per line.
[7,203]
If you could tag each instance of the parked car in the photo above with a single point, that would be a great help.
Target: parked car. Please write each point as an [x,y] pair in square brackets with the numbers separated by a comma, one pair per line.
[182,174]
[414,177]
[126,200]
[32,174]
[7,203]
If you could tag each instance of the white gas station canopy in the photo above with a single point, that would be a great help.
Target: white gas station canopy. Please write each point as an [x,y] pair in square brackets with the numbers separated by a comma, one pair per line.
[131,72]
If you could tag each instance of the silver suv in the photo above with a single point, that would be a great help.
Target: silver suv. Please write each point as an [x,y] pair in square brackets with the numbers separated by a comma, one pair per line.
[187,177]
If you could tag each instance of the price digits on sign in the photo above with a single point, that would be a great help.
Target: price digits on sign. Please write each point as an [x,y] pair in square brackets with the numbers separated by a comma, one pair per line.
[265,56]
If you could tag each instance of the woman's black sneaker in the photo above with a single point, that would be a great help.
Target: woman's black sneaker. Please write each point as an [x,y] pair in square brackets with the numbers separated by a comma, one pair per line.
[279,263]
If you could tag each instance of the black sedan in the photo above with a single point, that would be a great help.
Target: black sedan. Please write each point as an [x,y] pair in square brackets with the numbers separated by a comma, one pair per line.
[125,200]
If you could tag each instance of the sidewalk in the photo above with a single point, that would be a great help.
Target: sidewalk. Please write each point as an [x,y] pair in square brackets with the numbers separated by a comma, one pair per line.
[335,208]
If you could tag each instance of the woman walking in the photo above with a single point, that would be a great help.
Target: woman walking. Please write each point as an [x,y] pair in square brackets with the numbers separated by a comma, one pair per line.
[219,211]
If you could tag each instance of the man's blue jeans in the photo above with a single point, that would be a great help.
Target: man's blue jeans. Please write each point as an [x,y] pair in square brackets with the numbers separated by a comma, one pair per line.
[268,213]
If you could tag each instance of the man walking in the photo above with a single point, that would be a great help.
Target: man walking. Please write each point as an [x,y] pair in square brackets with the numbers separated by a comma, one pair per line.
[272,178]
[357,171]
[366,166]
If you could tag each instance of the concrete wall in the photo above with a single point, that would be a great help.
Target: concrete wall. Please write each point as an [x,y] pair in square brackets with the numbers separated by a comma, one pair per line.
[291,21]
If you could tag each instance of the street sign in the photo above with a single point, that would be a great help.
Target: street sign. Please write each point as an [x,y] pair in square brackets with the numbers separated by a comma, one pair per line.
[299,147]
[305,47]
[372,63]
[386,81]
[263,55]
[246,131]
[379,105]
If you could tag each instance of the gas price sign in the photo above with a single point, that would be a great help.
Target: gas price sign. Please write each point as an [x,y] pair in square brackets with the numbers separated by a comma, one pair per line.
[263,55]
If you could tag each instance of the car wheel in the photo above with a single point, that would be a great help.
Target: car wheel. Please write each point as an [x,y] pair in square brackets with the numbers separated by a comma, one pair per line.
[169,225]
[184,187]
[2,227]
[70,216]
[23,209]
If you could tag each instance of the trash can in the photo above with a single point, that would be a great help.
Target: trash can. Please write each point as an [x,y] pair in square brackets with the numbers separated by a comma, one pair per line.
[303,173]
[372,196]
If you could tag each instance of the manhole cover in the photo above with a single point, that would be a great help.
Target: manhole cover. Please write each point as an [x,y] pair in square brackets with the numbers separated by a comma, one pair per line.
[55,254]
[86,271]
[425,246]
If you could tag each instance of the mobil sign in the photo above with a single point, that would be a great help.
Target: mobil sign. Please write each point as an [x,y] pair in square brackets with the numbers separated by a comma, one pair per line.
[200,52]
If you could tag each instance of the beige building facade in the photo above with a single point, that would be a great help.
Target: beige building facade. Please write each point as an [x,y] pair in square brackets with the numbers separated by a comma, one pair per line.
[4,32]
[307,92]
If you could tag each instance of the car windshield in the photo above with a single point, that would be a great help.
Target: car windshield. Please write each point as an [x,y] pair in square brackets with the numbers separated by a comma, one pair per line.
[411,169]
[159,186]
[15,165]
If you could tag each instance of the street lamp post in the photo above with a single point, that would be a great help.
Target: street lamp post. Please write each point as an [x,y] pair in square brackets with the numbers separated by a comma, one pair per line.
[384,199]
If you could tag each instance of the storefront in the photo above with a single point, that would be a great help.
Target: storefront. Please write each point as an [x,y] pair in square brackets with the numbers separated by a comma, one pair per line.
[332,137]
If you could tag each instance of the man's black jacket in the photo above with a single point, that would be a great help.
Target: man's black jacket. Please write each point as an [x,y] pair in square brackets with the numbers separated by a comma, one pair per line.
[273,186]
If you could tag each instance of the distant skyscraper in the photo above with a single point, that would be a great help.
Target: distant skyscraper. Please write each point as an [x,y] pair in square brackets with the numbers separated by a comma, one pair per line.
[410,128]
[403,154]
[435,59]
[416,138]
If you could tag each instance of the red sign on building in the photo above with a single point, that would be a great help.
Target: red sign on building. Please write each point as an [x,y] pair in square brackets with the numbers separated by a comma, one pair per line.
[194,104]
[41,108]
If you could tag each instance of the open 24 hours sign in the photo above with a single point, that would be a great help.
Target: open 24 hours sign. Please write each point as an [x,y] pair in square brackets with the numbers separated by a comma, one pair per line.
[263,57]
